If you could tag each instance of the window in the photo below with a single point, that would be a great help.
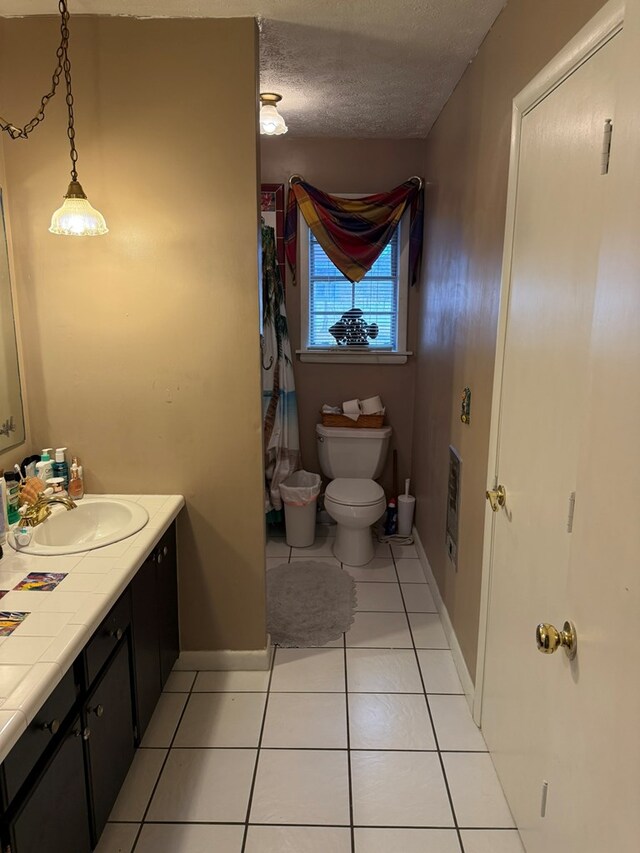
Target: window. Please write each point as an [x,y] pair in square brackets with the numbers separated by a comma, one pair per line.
[379,333]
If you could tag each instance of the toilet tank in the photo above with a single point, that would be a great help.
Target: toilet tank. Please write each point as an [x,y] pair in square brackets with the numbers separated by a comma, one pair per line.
[346,452]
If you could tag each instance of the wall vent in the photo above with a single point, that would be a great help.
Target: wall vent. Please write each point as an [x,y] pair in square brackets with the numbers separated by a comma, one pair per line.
[453,505]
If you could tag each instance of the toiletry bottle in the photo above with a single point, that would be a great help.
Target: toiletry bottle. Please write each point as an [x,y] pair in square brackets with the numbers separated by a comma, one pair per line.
[13,494]
[76,485]
[44,468]
[77,461]
[391,521]
[60,467]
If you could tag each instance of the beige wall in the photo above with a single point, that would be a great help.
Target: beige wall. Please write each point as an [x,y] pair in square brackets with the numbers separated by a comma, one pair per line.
[141,347]
[358,166]
[467,160]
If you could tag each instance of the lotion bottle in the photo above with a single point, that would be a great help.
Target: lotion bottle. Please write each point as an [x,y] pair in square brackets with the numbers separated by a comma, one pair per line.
[44,468]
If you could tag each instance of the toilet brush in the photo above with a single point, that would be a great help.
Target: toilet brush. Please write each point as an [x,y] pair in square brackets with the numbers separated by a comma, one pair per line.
[406,507]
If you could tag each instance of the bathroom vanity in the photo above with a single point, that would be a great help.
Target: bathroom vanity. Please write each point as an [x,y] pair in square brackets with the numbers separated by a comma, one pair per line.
[71,719]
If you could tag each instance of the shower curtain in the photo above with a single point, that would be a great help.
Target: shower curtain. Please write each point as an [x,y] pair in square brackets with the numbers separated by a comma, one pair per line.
[279,406]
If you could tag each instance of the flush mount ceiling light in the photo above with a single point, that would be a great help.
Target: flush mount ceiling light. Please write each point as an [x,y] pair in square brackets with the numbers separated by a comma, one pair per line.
[76,217]
[271,122]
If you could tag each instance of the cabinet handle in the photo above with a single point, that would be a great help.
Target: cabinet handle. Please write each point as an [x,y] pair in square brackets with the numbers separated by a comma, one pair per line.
[165,550]
[52,726]
[159,558]
[98,710]
[117,633]
[85,733]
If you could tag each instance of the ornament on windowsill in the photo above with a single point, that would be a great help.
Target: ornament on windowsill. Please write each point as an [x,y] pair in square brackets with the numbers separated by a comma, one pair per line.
[352,331]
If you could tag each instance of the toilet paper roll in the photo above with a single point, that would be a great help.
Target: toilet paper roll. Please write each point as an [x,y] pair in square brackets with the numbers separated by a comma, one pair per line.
[406,507]
[351,409]
[371,406]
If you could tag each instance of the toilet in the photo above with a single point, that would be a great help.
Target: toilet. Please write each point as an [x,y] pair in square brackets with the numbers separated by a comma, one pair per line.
[352,459]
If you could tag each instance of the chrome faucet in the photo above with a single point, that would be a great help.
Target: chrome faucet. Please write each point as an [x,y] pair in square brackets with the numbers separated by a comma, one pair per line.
[39,511]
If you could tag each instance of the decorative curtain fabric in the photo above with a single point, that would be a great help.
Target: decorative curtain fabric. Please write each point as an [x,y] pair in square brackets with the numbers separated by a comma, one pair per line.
[279,406]
[353,232]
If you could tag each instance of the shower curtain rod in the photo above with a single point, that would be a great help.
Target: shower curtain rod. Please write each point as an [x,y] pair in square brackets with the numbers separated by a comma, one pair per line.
[417,178]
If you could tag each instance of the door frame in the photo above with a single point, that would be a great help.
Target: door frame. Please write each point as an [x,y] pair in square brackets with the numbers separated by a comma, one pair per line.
[599,30]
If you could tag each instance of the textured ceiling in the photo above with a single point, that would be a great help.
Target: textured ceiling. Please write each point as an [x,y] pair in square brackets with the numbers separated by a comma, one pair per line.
[358,68]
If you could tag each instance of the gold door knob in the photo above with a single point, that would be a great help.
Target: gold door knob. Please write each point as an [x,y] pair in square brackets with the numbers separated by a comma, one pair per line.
[497,497]
[549,639]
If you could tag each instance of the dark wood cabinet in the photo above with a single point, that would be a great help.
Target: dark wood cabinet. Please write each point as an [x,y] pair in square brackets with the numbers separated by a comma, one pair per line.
[167,580]
[54,817]
[107,637]
[110,745]
[146,630]
[154,592]
[39,740]
[61,779]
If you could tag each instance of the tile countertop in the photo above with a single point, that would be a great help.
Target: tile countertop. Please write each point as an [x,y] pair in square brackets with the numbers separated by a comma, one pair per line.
[43,647]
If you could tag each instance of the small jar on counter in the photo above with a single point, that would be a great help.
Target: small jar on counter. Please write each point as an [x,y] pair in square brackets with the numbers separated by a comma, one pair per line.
[57,484]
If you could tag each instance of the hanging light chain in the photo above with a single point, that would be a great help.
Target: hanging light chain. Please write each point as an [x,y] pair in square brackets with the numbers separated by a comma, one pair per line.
[63,65]
[66,65]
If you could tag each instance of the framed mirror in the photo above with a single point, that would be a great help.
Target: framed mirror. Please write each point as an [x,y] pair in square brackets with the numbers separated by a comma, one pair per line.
[11,414]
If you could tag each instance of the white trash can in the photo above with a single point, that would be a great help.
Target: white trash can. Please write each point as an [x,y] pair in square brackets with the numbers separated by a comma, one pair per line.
[300,497]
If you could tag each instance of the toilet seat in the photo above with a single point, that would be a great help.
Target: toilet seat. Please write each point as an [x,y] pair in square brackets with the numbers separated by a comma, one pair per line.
[353,492]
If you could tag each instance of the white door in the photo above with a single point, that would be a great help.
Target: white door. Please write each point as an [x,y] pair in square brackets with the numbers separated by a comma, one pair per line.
[544,716]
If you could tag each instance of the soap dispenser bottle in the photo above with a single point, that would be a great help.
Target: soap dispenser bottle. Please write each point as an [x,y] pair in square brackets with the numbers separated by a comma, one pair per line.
[76,484]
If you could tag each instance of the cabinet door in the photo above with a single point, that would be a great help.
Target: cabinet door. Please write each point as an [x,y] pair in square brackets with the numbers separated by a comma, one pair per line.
[40,738]
[146,650]
[55,817]
[110,745]
[167,562]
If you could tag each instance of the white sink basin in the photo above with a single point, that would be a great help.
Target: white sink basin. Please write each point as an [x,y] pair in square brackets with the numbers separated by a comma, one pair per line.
[94,523]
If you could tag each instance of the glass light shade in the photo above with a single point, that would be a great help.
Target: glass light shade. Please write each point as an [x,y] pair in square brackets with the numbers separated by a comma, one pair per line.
[77,218]
[271,122]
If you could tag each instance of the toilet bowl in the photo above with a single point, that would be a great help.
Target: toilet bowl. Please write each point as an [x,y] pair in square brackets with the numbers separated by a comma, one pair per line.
[353,458]
[355,504]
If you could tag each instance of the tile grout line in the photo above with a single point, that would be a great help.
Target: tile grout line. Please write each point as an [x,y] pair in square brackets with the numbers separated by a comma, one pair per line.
[259,747]
[318,825]
[316,748]
[433,728]
[164,763]
[346,705]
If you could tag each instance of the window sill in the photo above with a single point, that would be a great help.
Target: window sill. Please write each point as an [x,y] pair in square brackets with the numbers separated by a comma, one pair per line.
[353,357]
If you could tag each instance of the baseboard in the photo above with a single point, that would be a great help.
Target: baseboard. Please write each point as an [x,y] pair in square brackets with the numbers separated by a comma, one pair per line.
[454,645]
[227,659]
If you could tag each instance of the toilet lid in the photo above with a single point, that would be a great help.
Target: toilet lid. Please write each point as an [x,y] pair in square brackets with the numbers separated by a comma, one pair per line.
[354,492]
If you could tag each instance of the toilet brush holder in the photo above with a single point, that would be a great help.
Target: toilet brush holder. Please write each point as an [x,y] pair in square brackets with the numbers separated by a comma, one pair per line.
[406,508]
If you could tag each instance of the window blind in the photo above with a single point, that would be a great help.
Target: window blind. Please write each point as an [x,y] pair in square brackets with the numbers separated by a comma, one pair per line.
[376,295]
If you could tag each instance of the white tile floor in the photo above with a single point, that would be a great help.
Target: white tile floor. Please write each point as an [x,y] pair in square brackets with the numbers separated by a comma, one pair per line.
[364,746]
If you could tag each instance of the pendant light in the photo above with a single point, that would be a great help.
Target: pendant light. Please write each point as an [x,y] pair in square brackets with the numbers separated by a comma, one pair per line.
[271,122]
[76,217]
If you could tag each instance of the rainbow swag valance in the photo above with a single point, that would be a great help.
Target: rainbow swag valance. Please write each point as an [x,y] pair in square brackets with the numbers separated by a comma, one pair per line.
[354,231]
